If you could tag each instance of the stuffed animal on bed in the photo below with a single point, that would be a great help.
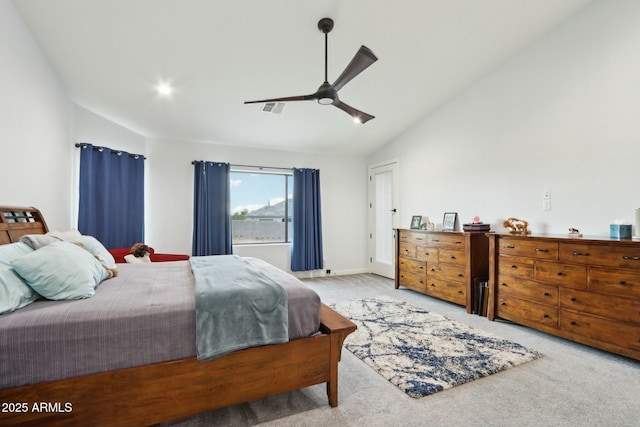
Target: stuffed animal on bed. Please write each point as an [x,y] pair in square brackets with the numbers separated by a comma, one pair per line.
[139,254]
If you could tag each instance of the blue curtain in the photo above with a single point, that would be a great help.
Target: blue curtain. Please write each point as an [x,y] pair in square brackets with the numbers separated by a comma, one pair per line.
[306,252]
[111,196]
[211,209]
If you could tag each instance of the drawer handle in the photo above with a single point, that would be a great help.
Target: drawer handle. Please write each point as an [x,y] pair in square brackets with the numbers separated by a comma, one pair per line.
[542,250]
[514,266]
[458,242]
[418,238]
[433,269]
[421,282]
[426,253]
[622,282]
[460,275]
[546,316]
[581,254]
[503,303]
[433,284]
[559,273]
[421,267]
[546,294]
[632,258]
[573,299]
[452,257]
[509,247]
[459,292]
[572,323]
[503,284]
[435,240]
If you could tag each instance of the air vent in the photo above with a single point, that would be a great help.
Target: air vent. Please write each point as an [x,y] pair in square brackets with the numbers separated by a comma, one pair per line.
[273,107]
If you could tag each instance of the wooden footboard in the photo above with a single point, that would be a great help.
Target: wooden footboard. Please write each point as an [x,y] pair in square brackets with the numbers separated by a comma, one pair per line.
[165,391]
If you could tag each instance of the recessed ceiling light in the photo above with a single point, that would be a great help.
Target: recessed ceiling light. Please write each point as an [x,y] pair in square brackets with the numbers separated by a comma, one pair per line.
[164,89]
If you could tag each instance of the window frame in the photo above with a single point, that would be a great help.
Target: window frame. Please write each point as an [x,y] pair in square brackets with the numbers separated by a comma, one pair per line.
[287,174]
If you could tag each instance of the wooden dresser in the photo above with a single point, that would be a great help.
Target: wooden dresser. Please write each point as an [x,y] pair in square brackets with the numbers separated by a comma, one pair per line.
[583,289]
[441,264]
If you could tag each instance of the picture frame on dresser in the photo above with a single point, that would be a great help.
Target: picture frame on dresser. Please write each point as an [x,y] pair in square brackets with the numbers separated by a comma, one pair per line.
[449,221]
[416,221]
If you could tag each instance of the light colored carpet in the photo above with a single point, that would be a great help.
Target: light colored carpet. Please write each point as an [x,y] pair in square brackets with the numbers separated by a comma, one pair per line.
[572,385]
[422,352]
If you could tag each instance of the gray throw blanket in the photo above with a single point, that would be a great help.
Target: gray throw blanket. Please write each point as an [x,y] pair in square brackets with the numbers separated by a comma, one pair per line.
[237,306]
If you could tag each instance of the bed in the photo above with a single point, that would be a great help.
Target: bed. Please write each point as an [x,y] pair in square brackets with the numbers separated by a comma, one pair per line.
[165,383]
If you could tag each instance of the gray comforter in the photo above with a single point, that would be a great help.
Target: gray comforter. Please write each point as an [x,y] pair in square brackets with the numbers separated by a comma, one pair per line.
[237,306]
[144,315]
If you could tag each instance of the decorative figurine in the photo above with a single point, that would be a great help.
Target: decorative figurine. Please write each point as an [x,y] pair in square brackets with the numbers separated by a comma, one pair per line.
[516,226]
[574,232]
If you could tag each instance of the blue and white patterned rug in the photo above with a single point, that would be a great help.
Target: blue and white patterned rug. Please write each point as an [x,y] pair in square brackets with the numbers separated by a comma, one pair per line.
[422,352]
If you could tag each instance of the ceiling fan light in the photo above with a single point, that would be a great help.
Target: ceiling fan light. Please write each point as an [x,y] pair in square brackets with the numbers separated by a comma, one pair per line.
[325,101]
[356,119]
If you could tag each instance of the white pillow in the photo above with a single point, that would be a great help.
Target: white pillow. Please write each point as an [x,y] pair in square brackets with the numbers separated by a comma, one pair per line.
[65,235]
[96,248]
[36,241]
[61,271]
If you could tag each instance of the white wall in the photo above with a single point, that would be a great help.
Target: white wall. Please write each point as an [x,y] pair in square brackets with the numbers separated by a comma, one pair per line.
[35,126]
[343,187]
[563,115]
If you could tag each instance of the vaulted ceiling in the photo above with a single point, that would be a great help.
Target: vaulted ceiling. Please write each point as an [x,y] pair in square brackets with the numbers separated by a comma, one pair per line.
[112,54]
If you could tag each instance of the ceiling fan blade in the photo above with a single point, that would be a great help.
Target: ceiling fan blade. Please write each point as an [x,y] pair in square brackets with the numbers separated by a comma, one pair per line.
[363,58]
[356,114]
[290,98]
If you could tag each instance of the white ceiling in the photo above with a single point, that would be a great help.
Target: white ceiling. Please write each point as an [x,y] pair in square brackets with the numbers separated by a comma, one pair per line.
[110,55]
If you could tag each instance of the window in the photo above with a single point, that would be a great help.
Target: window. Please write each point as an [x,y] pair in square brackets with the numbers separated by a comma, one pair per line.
[261,206]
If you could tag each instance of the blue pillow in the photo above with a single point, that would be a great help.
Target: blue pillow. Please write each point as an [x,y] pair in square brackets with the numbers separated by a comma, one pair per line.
[61,271]
[14,291]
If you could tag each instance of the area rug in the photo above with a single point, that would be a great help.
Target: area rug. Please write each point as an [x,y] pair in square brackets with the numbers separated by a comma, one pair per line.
[422,352]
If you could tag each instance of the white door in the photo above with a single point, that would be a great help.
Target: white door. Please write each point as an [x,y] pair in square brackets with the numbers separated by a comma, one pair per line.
[383,217]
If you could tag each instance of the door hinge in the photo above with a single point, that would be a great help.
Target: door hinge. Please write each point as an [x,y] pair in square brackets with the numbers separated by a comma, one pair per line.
[370,259]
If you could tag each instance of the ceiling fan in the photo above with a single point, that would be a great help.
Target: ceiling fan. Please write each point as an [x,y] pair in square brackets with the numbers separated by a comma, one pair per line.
[327,94]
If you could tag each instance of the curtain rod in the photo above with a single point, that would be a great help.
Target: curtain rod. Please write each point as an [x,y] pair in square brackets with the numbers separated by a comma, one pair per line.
[247,166]
[96,147]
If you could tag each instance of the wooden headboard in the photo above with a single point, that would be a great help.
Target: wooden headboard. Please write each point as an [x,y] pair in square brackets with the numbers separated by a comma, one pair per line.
[16,222]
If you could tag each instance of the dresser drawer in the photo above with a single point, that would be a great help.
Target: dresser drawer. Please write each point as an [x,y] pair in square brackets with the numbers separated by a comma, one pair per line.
[604,330]
[528,289]
[621,282]
[574,276]
[529,248]
[516,267]
[412,265]
[413,281]
[446,240]
[408,250]
[603,255]
[523,311]
[414,237]
[614,307]
[452,256]
[427,253]
[450,291]
[446,272]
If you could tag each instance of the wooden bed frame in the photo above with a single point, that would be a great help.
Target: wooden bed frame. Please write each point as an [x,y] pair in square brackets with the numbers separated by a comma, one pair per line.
[167,391]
